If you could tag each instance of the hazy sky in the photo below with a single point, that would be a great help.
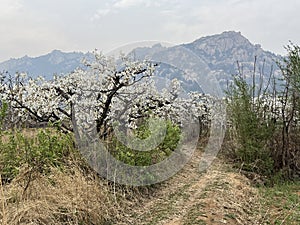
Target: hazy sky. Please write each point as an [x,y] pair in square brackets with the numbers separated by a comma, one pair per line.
[36,27]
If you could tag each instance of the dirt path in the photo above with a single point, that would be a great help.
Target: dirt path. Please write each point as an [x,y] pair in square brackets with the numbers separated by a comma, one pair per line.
[218,196]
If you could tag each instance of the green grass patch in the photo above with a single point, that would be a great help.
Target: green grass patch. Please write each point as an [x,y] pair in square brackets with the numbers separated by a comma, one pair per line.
[282,203]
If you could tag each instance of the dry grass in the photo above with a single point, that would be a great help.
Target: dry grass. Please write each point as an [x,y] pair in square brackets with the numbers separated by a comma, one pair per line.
[219,196]
[58,198]
[230,199]
[77,196]
[74,194]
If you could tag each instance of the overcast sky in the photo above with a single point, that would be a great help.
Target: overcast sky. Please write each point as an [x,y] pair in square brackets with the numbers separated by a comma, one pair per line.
[36,27]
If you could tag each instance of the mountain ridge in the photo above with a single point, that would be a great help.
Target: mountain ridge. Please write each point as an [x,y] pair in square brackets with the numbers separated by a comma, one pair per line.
[228,48]
[220,52]
[55,62]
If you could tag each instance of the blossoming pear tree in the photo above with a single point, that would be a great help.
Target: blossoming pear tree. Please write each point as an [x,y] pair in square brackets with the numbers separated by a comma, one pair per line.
[106,90]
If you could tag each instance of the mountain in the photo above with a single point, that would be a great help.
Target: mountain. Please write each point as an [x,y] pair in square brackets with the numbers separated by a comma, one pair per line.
[211,55]
[221,55]
[224,52]
[56,62]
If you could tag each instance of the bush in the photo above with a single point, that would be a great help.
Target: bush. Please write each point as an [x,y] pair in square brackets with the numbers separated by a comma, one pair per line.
[250,131]
[265,123]
[38,150]
[146,158]
[288,154]
[3,111]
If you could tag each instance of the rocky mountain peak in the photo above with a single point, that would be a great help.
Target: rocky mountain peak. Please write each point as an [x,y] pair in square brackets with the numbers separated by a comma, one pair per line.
[224,41]
[56,57]
[222,51]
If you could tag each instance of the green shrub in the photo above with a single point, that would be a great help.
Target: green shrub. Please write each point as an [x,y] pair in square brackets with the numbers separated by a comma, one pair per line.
[146,158]
[250,131]
[265,123]
[3,112]
[37,150]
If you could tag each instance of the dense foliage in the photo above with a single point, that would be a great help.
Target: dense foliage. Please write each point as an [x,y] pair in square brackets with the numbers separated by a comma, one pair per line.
[265,121]
[35,151]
